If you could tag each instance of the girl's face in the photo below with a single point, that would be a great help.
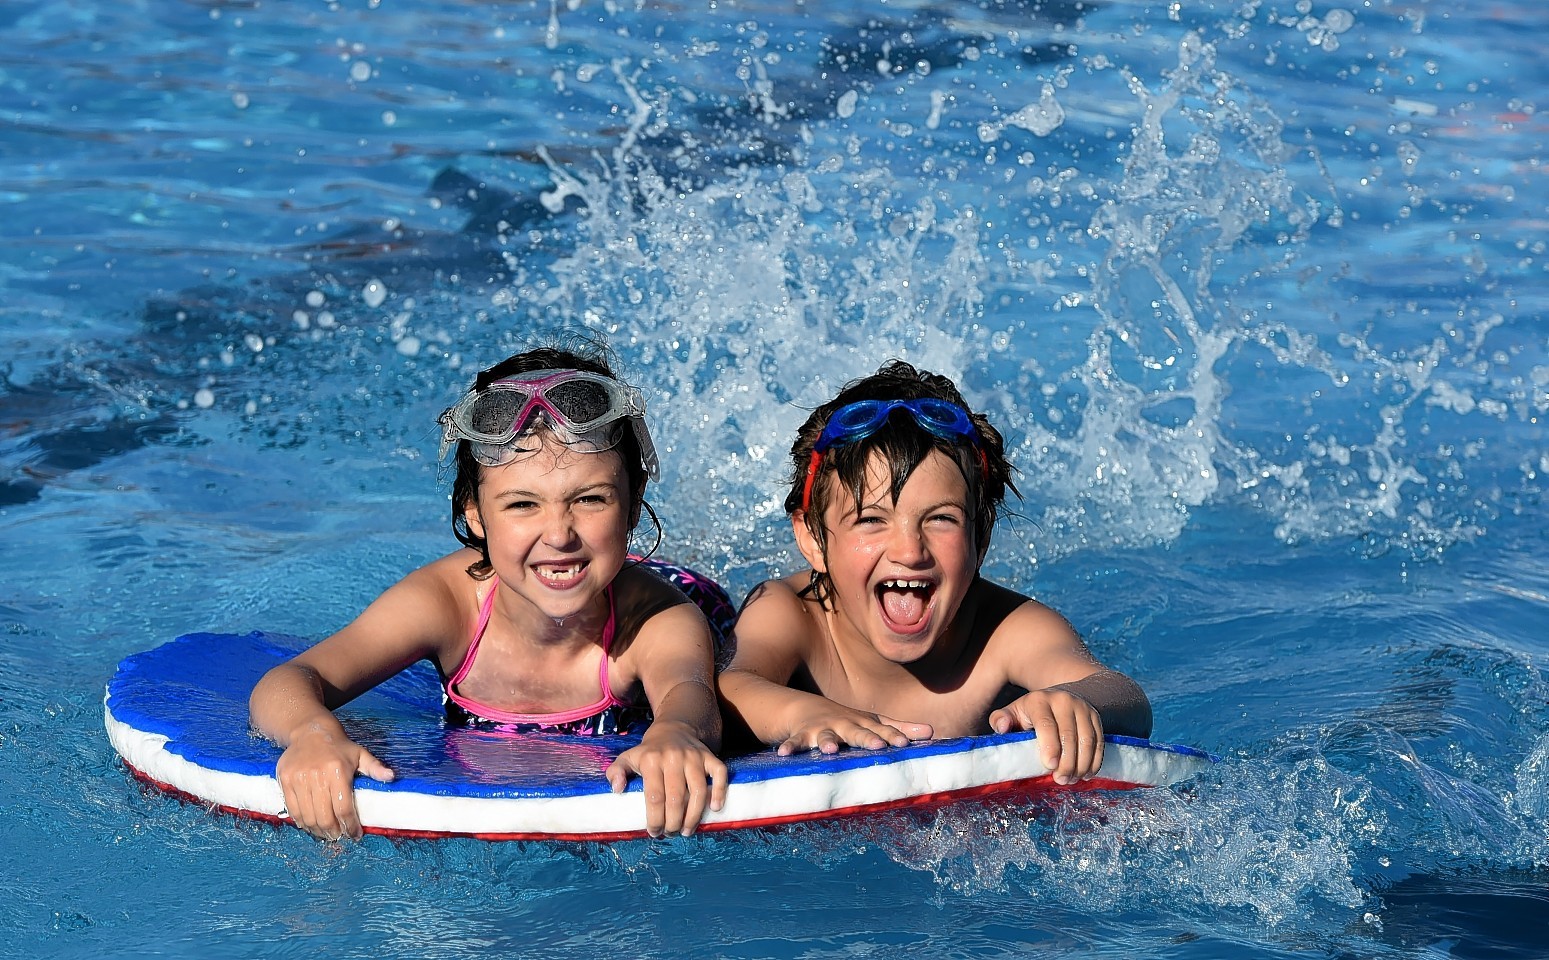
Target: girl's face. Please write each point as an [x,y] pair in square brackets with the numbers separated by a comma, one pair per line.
[898,572]
[557,525]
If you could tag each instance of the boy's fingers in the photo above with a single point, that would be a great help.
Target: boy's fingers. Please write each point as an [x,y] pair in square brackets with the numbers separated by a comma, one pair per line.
[694,809]
[718,776]
[910,730]
[320,812]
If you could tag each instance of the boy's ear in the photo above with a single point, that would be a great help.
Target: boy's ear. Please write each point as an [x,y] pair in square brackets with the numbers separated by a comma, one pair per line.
[807,543]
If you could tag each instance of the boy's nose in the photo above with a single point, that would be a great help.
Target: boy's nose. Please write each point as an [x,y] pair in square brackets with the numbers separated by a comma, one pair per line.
[908,545]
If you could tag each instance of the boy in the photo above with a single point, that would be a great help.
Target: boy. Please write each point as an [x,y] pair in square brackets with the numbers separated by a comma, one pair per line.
[892,635]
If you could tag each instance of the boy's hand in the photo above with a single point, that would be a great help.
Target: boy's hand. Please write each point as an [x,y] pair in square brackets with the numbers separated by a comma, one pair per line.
[679,775]
[1070,731]
[317,776]
[840,726]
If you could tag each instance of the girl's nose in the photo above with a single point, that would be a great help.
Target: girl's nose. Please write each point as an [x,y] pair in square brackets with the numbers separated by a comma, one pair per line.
[559,531]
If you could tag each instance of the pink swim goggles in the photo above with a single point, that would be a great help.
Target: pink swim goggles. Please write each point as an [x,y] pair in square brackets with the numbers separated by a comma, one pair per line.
[584,410]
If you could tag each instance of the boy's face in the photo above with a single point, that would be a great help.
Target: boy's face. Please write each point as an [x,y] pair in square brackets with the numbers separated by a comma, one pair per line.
[899,572]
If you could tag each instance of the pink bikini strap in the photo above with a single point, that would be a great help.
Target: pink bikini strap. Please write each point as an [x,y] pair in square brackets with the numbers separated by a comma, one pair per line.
[503,716]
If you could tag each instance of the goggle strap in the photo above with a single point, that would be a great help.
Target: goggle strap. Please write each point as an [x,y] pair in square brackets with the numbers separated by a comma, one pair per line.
[812,474]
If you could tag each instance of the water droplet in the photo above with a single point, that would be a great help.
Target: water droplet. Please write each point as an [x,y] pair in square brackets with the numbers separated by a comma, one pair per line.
[1338,20]
[374,293]
[846,105]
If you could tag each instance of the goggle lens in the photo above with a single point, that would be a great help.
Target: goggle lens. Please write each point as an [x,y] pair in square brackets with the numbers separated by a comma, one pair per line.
[584,408]
[859,420]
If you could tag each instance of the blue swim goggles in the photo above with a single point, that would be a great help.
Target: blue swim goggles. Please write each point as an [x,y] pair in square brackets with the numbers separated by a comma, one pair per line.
[861,419]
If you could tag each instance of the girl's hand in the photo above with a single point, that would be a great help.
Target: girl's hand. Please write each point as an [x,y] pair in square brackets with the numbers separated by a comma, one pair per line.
[1070,731]
[680,777]
[317,776]
[840,726]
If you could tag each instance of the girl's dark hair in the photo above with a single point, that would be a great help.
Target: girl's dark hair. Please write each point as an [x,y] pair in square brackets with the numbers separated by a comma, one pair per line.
[904,445]
[465,485]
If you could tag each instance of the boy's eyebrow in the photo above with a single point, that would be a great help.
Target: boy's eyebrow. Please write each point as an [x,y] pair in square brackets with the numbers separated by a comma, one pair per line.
[886,503]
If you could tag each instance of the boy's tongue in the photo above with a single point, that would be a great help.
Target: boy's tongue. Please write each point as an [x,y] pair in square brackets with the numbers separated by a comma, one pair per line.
[904,606]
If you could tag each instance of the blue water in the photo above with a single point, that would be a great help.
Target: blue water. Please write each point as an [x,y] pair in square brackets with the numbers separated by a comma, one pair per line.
[1256,291]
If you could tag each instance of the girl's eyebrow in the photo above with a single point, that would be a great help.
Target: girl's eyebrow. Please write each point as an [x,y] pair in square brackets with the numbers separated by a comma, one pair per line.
[517,493]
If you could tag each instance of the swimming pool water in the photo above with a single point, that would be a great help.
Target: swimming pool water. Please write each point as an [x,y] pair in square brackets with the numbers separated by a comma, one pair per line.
[1255,291]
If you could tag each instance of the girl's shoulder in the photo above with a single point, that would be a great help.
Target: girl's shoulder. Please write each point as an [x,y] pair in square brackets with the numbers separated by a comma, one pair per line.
[448,580]
[441,595]
[640,596]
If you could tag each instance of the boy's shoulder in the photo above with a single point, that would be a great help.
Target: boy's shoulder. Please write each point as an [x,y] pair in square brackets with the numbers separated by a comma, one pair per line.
[993,602]
[777,608]
[1001,614]
[784,594]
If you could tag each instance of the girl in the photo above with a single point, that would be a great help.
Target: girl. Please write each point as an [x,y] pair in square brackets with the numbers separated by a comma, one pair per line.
[894,490]
[540,621]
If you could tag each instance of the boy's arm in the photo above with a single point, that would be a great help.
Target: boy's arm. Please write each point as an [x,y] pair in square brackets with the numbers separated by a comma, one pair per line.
[676,760]
[1072,700]
[773,634]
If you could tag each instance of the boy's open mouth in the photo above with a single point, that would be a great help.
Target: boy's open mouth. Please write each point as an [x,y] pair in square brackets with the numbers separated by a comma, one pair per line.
[906,604]
[559,574]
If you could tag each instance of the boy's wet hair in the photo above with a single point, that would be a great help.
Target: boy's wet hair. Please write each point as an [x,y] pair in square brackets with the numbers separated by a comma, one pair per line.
[465,485]
[904,445]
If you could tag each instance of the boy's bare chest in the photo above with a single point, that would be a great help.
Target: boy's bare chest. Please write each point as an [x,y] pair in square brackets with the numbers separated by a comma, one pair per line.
[955,705]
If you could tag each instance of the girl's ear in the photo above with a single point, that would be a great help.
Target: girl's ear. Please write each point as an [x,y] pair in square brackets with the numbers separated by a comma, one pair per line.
[474,521]
[807,543]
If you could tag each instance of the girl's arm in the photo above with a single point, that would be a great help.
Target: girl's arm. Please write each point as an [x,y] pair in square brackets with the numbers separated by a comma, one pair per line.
[293,703]
[676,762]
[774,633]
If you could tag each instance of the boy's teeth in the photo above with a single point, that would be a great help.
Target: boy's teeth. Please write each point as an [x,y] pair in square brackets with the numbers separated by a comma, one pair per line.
[905,602]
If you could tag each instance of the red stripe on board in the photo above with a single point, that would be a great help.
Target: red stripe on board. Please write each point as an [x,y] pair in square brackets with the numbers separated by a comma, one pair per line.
[1010,790]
